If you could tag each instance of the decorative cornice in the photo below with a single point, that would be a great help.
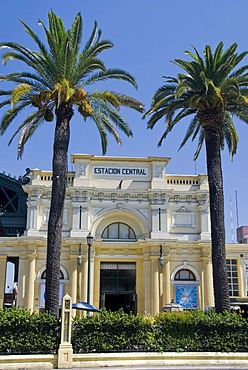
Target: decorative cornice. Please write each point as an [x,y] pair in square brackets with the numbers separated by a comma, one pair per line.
[104,159]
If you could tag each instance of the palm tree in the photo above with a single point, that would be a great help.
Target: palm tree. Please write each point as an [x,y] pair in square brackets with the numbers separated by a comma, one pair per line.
[212,92]
[55,84]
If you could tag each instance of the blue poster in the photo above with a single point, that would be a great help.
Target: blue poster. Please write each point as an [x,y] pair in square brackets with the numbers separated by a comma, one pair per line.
[186,295]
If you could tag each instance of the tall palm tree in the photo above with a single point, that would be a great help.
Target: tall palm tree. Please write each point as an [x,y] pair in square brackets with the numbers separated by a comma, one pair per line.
[212,91]
[59,80]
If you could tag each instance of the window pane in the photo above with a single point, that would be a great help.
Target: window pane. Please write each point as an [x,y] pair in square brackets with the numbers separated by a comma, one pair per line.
[184,275]
[232,272]
[132,235]
[113,231]
[118,230]
[123,231]
[105,233]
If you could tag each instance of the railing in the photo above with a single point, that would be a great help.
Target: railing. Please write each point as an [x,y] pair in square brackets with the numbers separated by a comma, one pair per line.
[183,180]
[48,176]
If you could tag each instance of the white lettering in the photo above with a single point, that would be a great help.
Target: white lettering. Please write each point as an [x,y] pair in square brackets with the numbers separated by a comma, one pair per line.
[120,171]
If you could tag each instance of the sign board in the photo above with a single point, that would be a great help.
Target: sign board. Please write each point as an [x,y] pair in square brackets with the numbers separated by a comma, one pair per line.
[120,171]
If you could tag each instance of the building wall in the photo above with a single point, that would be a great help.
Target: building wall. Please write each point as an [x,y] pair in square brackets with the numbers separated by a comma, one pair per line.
[167,213]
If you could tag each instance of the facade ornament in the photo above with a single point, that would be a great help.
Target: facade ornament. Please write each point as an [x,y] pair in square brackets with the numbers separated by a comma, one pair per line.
[82,169]
[183,209]
[159,171]
[25,179]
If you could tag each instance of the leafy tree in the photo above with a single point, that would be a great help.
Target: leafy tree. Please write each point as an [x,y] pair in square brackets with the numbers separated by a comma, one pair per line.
[212,91]
[59,80]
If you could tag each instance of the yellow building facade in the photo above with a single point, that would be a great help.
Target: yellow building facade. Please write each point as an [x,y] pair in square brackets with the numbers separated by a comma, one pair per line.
[151,240]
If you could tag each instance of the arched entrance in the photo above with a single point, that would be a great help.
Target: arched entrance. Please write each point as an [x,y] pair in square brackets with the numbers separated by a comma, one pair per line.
[120,226]
[117,286]
[186,287]
[41,279]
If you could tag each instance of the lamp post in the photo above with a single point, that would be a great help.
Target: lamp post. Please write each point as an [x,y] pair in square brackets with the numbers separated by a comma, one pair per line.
[79,257]
[161,257]
[89,239]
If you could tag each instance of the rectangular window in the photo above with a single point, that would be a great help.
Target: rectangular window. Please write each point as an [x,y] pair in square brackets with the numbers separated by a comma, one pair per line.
[232,275]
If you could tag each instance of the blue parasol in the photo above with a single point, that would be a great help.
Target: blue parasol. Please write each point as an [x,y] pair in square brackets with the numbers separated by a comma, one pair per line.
[85,307]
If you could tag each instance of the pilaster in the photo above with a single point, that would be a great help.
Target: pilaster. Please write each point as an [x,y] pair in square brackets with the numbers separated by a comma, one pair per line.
[3,262]
[30,281]
[155,286]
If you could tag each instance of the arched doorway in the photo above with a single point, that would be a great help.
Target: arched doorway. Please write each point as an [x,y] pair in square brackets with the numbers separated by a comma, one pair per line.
[118,279]
[117,286]
[186,287]
[41,279]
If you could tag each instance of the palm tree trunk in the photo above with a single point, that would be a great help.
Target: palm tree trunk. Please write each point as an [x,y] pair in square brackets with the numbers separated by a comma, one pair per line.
[212,128]
[64,114]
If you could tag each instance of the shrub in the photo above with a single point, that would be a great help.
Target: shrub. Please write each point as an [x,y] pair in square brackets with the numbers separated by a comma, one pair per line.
[112,331]
[174,331]
[23,332]
[199,331]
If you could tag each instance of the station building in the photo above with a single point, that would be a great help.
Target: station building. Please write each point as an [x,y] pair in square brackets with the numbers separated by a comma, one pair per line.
[151,240]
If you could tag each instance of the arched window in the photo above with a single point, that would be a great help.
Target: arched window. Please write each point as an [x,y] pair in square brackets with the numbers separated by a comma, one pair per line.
[42,282]
[118,230]
[43,275]
[185,275]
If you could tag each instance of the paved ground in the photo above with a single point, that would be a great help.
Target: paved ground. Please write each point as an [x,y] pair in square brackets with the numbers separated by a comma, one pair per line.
[176,367]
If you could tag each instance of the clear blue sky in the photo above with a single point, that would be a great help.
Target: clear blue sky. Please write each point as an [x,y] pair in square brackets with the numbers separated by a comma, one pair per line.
[148,35]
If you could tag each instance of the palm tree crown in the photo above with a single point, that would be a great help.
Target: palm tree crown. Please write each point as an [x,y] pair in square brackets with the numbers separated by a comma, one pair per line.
[208,84]
[61,74]
[212,91]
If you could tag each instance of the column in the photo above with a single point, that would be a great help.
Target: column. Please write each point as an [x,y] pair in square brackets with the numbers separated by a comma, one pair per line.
[84,278]
[22,278]
[154,219]
[167,282]
[79,287]
[33,217]
[73,278]
[3,261]
[163,216]
[208,282]
[92,280]
[80,282]
[155,286]
[205,223]
[161,286]
[242,274]
[85,225]
[79,220]
[147,284]
[30,281]
[96,284]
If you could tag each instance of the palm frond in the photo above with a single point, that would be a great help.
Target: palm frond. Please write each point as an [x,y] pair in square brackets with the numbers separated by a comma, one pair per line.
[32,123]
[117,74]
[10,115]
[19,91]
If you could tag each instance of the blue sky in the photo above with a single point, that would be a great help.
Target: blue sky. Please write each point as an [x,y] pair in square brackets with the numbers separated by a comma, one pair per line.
[148,35]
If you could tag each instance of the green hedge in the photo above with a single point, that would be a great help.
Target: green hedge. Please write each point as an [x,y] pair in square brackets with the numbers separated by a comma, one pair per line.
[175,331]
[199,331]
[22,332]
[112,331]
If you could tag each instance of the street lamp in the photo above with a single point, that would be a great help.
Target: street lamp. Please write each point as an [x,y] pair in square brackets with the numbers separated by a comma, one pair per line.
[79,257]
[161,257]
[89,239]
